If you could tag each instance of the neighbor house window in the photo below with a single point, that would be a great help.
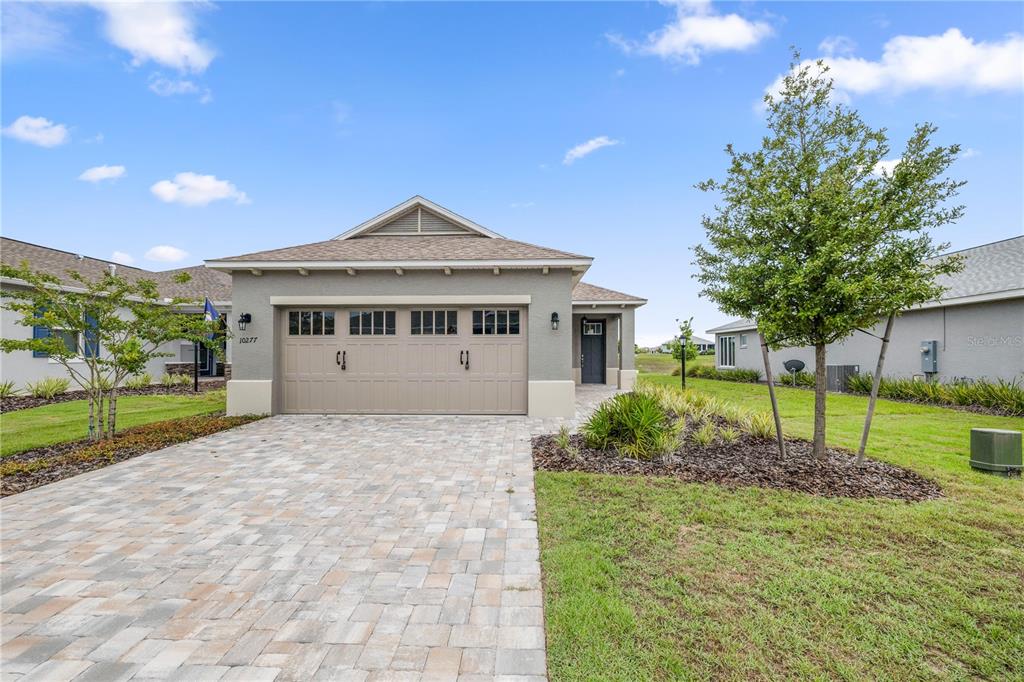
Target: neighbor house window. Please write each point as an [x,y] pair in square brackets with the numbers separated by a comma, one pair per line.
[743,340]
[593,328]
[434,322]
[501,322]
[311,323]
[73,341]
[726,351]
[371,322]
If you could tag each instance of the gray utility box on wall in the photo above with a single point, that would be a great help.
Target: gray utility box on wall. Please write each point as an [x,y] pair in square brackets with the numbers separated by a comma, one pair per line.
[997,450]
[929,357]
[837,376]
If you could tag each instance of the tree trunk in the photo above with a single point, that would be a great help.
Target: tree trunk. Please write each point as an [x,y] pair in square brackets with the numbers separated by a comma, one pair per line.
[771,394]
[92,415]
[819,401]
[112,418]
[875,383]
[100,429]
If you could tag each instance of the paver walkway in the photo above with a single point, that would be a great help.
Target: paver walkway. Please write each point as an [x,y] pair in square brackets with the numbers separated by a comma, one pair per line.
[335,548]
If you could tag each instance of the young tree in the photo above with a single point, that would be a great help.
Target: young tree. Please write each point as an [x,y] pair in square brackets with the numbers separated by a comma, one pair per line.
[108,329]
[676,346]
[810,240]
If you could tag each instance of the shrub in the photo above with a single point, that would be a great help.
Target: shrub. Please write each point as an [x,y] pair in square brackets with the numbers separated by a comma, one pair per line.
[749,376]
[999,395]
[168,380]
[562,439]
[139,381]
[729,434]
[6,389]
[634,423]
[183,379]
[705,435]
[760,425]
[48,388]
[805,379]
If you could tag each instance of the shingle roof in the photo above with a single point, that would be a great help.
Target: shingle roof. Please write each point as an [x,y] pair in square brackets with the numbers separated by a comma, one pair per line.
[407,248]
[205,282]
[734,326]
[589,292]
[988,269]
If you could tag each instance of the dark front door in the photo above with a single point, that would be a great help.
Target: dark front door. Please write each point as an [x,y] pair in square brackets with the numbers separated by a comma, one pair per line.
[592,352]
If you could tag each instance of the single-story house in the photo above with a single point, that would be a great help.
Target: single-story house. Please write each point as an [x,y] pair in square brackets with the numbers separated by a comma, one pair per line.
[420,310]
[976,330]
[22,367]
[702,344]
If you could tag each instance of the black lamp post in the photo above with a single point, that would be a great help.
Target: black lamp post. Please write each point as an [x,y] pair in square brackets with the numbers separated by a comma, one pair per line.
[682,355]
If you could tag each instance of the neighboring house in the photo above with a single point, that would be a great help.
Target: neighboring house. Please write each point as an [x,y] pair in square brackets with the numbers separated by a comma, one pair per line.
[420,310]
[703,345]
[25,366]
[975,330]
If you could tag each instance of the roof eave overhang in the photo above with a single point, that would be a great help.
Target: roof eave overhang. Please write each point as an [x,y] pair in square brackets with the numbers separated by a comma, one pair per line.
[573,263]
[614,304]
[967,300]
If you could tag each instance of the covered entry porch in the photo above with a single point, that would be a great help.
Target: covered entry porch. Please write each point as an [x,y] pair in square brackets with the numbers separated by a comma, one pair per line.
[603,346]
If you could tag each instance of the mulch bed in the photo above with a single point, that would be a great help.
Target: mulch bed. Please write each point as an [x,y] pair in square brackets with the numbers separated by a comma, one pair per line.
[750,461]
[24,402]
[33,468]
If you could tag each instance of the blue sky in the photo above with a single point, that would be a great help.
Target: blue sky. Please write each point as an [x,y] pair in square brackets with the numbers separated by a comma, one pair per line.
[217,129]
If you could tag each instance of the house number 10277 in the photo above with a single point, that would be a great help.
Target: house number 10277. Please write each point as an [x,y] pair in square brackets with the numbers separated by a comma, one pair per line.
[247,339]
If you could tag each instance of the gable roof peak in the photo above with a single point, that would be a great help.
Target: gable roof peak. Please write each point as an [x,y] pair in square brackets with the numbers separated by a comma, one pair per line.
[413,209]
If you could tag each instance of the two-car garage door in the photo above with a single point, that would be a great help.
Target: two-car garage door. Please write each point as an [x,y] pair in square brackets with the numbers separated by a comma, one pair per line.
[441,360]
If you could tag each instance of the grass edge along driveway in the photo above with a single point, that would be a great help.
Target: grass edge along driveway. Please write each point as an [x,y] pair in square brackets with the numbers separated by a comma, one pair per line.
[657,579]
[61,422]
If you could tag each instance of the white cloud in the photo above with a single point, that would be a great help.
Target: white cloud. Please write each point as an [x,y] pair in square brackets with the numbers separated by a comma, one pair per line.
[969,153]
[950,61]
[124,258]
[192,189]
[169,87]
[166,254]
[837,46]
[29,28]
[886,167]
[38,131]
[588,147]
[98,173]
[696,30]
[162,32]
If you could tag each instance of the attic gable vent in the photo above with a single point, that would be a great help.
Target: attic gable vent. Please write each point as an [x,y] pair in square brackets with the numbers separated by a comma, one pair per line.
[418,221]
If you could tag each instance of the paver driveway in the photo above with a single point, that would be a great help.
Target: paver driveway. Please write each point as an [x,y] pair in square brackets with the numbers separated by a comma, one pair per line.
[292,548]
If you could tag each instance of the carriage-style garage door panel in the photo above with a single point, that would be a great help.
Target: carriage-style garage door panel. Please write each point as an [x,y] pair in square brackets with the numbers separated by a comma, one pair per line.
[404,361]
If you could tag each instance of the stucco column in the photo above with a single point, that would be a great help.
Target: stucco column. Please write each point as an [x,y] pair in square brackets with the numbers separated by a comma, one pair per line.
[612,325]
[627,371]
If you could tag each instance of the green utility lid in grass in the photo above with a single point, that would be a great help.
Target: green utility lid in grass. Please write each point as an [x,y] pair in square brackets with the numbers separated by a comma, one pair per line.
[997,450]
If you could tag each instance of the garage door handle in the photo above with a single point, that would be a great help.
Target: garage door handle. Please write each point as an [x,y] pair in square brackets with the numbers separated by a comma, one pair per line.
[339,358]
[461,353]
[467,360]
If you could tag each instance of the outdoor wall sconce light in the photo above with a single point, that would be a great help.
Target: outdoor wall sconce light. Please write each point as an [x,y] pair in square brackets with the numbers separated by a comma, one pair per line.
[244,319]
[554,322]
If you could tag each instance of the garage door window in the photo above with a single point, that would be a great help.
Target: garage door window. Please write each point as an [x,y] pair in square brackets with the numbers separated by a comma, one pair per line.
[434,322]
[500,322]
[371,323]
[311,323]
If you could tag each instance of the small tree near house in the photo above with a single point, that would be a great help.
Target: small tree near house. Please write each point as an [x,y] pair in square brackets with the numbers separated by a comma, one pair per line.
[676,346]
[810,239]
[103,331]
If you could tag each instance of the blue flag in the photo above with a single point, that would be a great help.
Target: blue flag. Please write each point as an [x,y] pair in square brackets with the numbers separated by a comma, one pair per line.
[211,314]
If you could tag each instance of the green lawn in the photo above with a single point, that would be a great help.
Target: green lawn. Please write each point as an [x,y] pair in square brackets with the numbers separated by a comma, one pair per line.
[60,422]
[663,363]
[656,579]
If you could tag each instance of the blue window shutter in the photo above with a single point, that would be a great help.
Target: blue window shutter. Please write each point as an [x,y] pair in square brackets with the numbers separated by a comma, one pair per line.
[39,332]
[91,342]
